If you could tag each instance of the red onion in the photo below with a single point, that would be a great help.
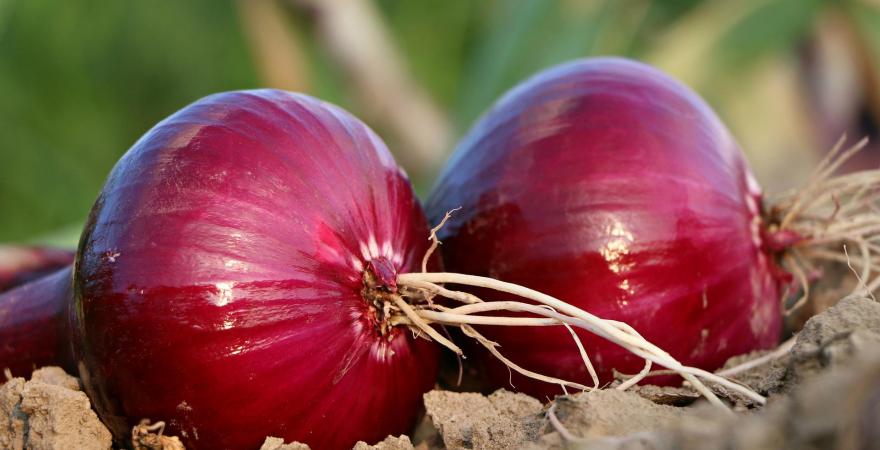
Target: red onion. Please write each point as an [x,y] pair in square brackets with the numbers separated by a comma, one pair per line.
[19,265]
[34,329]
[227,279]
[33,317]
[613,187]
[252,263]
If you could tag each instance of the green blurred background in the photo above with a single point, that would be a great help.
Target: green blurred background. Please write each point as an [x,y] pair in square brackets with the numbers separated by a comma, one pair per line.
[81,80]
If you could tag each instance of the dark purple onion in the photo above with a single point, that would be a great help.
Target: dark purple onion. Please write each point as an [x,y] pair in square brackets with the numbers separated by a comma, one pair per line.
[613,187]
[225,280]
[34,330]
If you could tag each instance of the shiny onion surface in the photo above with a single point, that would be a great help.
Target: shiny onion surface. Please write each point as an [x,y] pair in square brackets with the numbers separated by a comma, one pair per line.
[613,187]
[223,281]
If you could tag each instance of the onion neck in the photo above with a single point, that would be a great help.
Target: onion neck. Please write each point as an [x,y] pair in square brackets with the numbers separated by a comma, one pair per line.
[778,241]
[380,292]
[389,308]
[832,219]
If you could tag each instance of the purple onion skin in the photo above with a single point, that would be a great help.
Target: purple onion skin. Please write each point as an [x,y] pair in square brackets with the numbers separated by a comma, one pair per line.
[34,330]
[20,264]
[611,186]
[219,277]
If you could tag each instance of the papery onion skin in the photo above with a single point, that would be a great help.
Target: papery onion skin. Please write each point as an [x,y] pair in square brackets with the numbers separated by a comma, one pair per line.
[34,326]
[22,264]
[218,283]
[608,184]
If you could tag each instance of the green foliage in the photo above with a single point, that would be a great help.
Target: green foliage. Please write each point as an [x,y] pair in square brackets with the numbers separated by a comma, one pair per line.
[81,80]
[434,49]
[773,26]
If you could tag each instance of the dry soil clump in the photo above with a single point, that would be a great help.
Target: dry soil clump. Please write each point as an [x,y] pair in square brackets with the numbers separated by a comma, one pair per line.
[49,412]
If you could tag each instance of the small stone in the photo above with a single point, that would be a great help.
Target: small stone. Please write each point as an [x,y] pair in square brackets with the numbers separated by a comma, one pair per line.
[390,443]
[610,412]
[60,418]
[274,443]
[833,338]
[12,420]
[56,376]
[469,420]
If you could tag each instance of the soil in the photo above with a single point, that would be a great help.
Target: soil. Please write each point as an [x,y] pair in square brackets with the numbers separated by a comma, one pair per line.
[470,420]
[824,393]
[274,443]
[390,443]
[49,412]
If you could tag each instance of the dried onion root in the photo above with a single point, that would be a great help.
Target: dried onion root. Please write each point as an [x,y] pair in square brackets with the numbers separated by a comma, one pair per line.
[549,311]
[820,221]
[817,220]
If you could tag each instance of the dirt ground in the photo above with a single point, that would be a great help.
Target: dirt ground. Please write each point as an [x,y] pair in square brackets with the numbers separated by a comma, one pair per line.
[823,393]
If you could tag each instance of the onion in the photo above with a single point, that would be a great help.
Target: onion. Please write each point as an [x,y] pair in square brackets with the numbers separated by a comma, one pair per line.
[228,278]
[613,187]
[34,329]
[19,265]
[33,316]
[255,263]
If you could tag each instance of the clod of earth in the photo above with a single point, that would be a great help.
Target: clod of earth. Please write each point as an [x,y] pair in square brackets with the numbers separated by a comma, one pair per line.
[274,443]
[390,443]
[49,412]
[468,420]
[832,338]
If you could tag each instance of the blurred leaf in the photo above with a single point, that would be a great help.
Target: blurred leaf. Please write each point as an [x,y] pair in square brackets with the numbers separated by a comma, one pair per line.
[775,26]
[621,27]
[487,72]
[82,79]
[578,26]
[523,38]
[435,48]
[768,113]
[868,19]
[719,38]
[64,237]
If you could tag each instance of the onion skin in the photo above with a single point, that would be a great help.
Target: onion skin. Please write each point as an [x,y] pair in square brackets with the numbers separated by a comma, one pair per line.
[34,330]
[218,280]
[20,265]
[611,186]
